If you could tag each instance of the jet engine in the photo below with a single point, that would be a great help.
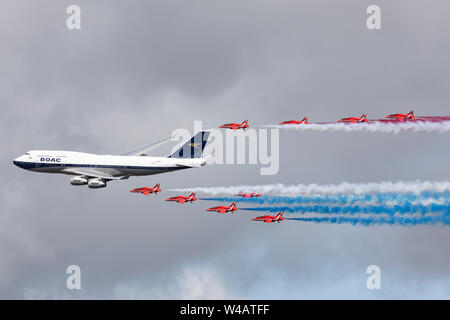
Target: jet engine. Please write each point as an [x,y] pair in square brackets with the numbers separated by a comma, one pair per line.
[96,183]
[78,181]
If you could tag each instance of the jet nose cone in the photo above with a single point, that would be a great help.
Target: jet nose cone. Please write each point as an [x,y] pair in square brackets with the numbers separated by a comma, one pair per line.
[16,162]
[19,162]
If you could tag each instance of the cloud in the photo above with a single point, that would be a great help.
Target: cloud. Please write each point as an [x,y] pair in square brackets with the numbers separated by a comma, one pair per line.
[192,283]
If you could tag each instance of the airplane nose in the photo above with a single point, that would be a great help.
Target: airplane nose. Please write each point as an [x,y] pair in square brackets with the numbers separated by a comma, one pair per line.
[17,163]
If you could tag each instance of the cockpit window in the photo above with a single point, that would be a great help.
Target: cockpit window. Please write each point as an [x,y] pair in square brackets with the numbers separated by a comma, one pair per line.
[27,154]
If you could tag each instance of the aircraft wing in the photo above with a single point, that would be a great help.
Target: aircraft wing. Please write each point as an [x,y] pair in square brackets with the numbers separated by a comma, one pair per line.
[95,173]
[145,149]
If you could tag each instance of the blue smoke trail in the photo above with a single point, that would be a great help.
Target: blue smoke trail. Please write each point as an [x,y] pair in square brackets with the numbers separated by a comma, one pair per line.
[390,220]
[341,198]
[259,200]
[406,208]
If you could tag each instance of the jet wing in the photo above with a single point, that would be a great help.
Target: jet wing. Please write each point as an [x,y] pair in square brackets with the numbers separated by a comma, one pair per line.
[95,173]
[145,149]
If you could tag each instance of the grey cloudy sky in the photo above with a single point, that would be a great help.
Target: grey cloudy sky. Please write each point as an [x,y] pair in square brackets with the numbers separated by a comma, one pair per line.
[137,70]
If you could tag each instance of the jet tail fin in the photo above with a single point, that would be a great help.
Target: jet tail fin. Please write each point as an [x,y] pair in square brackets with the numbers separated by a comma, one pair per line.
[193,148]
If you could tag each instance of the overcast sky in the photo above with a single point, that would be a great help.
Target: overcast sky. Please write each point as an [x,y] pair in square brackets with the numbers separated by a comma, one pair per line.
[137,70]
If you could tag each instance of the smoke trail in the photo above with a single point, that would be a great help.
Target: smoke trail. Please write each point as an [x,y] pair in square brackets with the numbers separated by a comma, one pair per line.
[373,126]
[259,200]
[414,187]
[390,220]
[387,198]
[406,208]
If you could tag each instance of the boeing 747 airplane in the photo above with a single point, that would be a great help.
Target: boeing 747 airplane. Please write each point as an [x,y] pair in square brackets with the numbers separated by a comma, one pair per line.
[96,170]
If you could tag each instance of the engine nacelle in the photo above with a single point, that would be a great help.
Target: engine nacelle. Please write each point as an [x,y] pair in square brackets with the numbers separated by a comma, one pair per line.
[96,183]
[78,181]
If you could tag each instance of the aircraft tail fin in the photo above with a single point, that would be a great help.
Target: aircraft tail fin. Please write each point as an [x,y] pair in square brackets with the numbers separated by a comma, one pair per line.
[193,148]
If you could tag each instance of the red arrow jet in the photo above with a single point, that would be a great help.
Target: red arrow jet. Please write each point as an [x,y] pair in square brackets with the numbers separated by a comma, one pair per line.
[248,195]
[236,126]
[270,219]
[182,199]
[354,119]
[223,209]
[303,121]
[401,117]
[147,191]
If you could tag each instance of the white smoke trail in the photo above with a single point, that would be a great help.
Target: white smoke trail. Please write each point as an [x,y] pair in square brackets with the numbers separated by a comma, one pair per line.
[376,126]
[415,187]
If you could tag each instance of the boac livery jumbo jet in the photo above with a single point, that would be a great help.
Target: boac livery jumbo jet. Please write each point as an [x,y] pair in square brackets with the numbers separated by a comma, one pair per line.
[96,170]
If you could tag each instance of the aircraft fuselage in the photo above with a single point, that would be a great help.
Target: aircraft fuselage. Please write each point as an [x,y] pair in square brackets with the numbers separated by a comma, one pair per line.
[67,162]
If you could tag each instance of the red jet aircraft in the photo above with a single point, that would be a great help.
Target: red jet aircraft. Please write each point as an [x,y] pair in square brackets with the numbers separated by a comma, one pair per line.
[248,195]
[147,191]
[354,119]
[236,126]
[303,121]
[223,209]
[270,219]
[182,199]
[401,117]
